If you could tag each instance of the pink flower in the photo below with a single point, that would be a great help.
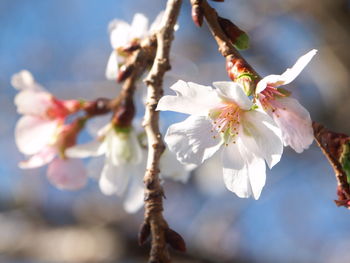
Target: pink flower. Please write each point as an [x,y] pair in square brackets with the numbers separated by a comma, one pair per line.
[290,116]
[40,130]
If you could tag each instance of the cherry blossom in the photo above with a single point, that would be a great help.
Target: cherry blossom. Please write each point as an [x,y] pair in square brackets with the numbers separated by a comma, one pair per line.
[121,171]
[40,131]
[290,116]
[124,35]
[223,119]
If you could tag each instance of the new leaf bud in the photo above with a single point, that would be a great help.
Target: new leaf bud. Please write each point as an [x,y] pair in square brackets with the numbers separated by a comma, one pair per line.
[237,36]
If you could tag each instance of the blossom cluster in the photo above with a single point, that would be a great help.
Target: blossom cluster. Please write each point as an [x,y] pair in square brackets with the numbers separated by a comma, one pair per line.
[247,131]
[247,128]
[46,135]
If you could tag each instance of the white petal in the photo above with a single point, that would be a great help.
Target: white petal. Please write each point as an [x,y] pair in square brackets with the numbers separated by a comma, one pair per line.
[114,179]
[295,123]
[139,26]
[112,68]
[67,174]
[289,75]
[171,168]
[90,149]
[157,23]
[32,134]
[272,80]
[261,134]
[122,147]
[190,98]
[133,200]
[232,91]
[192,140]
[119,33]
[24,80]
[31,102]
[244,173]
[45,156]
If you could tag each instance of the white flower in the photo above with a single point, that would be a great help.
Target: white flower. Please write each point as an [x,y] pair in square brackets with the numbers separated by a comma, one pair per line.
[37,132]
[290,116]
[223,118]
[123,35]
[121,171]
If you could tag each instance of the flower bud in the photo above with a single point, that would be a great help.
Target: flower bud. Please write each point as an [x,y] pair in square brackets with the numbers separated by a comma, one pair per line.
[125,113]
[236,67]
[97,107]
[237,36]
[197,15]
[248,83]
[124,72]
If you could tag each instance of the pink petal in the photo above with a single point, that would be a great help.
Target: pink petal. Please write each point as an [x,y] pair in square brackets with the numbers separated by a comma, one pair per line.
[24,80]
[31,102]
[295,123]
[40,159]
[67,174]
[32,134]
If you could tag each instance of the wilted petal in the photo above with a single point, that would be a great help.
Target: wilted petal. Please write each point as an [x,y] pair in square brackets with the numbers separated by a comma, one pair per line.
[139,26]
[24,80]
[295,122]
[192,140]
[190,98]
[112,68]
[90,149]
[244,173]
[32,134]
[231,91]
[114,179]
[68,174]
[261,135]
[45,156]
[119,33]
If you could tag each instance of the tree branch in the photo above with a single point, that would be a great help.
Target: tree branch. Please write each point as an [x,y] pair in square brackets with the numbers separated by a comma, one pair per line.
[154,220]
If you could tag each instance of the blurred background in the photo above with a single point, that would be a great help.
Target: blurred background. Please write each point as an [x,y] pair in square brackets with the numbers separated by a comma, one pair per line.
[65,44]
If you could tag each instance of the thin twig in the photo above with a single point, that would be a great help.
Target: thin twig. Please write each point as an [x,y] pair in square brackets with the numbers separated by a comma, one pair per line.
[153,189]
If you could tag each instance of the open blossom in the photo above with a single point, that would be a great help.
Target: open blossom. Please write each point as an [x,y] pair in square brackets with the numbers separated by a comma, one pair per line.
[290,116]
[124,35]
[124,165]
[40,131]
[223,119]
